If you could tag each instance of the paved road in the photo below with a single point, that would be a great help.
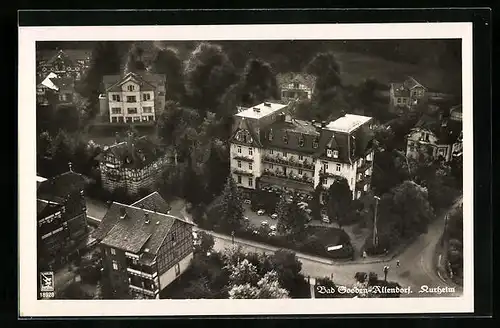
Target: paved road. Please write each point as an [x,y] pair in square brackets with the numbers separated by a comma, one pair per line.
[417,262]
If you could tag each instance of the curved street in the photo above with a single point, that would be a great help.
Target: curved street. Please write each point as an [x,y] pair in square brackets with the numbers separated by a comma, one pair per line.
[417,262]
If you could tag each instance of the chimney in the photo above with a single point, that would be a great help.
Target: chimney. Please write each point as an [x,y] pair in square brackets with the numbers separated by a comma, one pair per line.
[70,165]
[267,104]
[123,213]
[146,217]
[323,124]
[313,122]
[256,109]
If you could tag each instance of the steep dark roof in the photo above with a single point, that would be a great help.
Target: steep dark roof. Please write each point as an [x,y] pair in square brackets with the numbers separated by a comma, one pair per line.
[132,233]
[74,55]
[245,124]
[290,77]
[147,80]
[410,83]
[153,202]
[446,134]
[339,141]
[59,187]
[63,82]
[44,208]
[135,152]
[294,131]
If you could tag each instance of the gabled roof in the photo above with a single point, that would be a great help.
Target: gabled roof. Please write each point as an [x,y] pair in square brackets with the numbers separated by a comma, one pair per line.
[134,233]
[61,186]
[135,152]
[243,124]
[153,202]
[341,142]
[147,81]
[303,78]
[411,83]
[446,134]
[75,55]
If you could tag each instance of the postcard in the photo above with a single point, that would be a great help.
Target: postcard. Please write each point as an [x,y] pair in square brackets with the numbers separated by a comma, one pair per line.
[245,170]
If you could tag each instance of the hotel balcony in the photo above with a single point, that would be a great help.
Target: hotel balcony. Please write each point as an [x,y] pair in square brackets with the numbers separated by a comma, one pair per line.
[241,157]
[242,172]
[296,178]
[144,291]
[305,165]
[360,183]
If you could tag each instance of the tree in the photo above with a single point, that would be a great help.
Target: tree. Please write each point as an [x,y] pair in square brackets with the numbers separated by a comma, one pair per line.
[199,289]
[339,200]
[135,63]
[167,62]
[288,267]
[231,207]
[267,287]
[407,209]
[206,242]
[208,72]
[258,83]
[242,272]
[291,219]
[67,118]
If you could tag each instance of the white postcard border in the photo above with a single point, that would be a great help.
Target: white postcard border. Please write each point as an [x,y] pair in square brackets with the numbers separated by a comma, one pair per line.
[28,303]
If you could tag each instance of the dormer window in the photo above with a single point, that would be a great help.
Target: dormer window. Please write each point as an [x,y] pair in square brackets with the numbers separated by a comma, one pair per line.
[301,141]
[130,88]
[270,136]
[329,153]
[285,138]
[295,85]
[335,154]
[316,142]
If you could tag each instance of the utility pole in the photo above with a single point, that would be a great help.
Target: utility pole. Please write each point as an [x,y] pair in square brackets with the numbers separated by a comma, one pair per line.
[375,232]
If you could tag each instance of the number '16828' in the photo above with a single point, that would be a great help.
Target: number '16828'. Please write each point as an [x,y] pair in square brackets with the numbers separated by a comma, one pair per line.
[46,294]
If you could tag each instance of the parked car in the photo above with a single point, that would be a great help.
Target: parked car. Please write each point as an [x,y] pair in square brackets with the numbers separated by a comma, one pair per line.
[308,210]
[325,219]
[247,201]
[272,233]
[261,212]
[264,224]
[246,219]
[274,216]
[273,228]
[255,232]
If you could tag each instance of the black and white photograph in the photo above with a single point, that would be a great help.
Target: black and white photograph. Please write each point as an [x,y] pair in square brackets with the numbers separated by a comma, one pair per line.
[230,166]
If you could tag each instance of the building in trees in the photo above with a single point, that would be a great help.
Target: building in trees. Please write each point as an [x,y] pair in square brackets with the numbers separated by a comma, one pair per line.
[143,250]
[134,164]
[55,90]
[271,150]
[406,95]
[68,63]
[435,137]
[296,85]
[132,98]
[62,219]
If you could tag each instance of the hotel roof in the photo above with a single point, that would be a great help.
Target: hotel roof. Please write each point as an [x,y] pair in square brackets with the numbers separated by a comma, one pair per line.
[261,110]
[348,123]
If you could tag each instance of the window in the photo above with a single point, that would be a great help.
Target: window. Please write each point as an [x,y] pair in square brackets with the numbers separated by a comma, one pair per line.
[270,136]
[285,138]
[250,166]
[360,176]
[335,154]
[177,269]
[300,171]
[114,119]
[365,187]
[399,100]
[137,119]
[338,167]
[316,142]
[113,251]
[325,181]
[250,182]
[173,236]
[115,265]
[271,152]
[147,109]
[250,151]
[271,166]
[295,85]
[301,141]
[132,110]
[116,110]
[239,149]
[239,164]
[325,166]
[358,195]
[329,153]
[239,178]
[146,96]
[131,99]
[115,97]
[301,158]
[130,88]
